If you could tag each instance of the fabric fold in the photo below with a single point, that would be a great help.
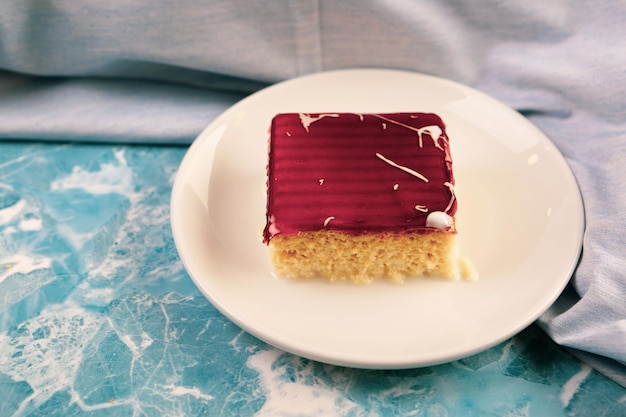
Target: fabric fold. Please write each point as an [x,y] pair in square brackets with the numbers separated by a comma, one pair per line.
[107,110]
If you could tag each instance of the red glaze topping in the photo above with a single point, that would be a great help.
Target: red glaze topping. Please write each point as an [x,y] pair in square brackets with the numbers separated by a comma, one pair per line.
[358,173]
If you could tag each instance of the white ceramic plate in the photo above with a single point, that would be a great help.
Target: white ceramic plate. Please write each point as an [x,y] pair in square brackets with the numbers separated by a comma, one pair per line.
[520,219]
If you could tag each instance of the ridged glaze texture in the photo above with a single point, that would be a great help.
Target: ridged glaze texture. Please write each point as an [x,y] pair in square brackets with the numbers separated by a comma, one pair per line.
[357,173]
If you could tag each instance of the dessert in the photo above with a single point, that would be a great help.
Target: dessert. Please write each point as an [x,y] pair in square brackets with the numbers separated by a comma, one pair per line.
[360,196]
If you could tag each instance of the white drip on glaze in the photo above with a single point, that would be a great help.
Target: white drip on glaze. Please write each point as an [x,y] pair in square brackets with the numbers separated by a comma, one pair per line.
[452,195]
[433,131]
[307,119]
[273,230]
[439,220]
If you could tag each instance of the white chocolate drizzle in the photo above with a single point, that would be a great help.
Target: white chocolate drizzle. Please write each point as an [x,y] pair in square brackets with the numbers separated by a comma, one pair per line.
[403,168]
[421,208]
[307,119]
[328,220]
[452,196]
[433,131]
[321,181]
[395,187]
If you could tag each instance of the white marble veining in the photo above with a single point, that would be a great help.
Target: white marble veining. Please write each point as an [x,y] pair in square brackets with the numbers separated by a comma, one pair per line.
[99,318]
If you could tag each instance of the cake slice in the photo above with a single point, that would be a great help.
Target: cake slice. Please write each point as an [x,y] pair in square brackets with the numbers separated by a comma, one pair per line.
[360,196]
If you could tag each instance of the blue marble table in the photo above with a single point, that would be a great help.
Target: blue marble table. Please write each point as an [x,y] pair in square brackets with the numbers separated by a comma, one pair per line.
[98,317]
